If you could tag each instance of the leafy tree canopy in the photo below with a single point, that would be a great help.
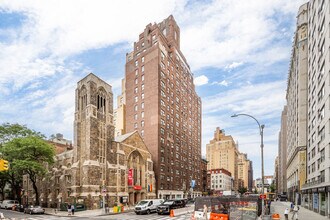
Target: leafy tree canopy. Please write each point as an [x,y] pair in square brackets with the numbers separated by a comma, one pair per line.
[10,131]
[27,153]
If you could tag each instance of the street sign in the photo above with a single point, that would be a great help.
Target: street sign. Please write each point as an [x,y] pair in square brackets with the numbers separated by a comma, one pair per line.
[262,196]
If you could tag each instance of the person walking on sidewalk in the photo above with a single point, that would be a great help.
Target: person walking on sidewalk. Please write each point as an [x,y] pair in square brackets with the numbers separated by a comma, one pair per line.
[69,209]
[286,214]
[72,209]
[295,212]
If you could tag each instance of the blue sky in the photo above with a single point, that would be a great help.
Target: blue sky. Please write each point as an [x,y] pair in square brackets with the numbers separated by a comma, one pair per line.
[238,50]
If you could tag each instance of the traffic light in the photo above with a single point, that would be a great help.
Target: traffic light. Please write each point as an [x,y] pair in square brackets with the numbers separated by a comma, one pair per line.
[4,165]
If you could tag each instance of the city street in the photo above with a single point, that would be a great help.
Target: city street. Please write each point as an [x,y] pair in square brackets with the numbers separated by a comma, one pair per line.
[13,215]
[20,216]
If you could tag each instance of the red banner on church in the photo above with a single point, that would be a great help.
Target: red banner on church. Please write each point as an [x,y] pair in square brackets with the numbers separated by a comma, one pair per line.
[130,177]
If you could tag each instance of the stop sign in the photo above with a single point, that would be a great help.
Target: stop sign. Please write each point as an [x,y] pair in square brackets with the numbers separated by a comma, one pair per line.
[262,196]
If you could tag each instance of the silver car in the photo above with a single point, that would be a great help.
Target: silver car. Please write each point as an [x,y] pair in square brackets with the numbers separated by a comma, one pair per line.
[34,210]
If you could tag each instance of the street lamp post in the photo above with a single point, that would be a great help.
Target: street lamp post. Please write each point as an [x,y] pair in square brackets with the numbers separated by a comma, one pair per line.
[261,130]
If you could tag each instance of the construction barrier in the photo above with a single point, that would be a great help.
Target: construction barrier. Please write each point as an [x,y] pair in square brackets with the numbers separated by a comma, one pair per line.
[171,213]
[218,216]
[276,216]
[182,211]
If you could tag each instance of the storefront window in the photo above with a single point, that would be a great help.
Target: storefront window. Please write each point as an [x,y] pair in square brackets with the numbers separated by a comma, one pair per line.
[316,202]
[323,204]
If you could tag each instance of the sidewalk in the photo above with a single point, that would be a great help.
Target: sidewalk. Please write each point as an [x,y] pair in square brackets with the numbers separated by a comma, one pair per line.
[86,213]
[303,213]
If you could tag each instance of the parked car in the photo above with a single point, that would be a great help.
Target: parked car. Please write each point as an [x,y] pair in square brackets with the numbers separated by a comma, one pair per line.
[283,197]
[19,208]
[183,202]
[34,210]
[8,204]
[166,207]
[148,206]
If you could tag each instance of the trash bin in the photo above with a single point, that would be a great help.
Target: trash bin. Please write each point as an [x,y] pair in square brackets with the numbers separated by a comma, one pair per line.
[119,208]
[115,209]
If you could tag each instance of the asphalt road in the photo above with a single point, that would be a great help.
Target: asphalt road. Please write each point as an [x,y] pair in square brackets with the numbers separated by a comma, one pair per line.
[9,214]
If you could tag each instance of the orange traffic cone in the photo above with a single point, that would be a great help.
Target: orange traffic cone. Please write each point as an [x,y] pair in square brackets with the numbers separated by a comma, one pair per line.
[171,213]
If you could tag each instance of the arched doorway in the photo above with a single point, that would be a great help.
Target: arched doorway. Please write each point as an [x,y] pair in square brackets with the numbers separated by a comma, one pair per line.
[136,167]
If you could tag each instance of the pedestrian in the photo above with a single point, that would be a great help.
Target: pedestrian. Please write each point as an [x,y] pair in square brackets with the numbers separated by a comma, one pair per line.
[286,214]
[291,207]
[205,212]
[295,212]
[72,209]
[69,209]
[269,203]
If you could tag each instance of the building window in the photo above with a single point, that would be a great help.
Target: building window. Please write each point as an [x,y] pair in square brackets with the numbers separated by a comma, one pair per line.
[142,96]
[136,72]
[142,133]
[135,108]
[136,98]
[142,59]
[142,114]
[135,125]
[142,105]
[136,81]
[135,117]
[136,63]
[142,69]
[142,87]
[142,123]
[136,90]
[142,77]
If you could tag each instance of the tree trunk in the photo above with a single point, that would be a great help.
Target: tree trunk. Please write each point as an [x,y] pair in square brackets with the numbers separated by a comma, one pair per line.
[35,188]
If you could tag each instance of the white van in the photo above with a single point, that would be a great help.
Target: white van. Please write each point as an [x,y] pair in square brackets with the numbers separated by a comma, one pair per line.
[148,206]
[8,204]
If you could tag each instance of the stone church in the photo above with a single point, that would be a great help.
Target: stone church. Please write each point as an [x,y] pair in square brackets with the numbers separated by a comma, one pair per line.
[99,165]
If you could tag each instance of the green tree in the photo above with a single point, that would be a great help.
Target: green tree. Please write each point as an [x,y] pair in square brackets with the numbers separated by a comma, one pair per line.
[28,155]
[272,187]
[242,190]
[10,131]
[7,133]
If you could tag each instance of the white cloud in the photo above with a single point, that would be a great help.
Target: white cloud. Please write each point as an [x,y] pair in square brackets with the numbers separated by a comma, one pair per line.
[233,65]
[261,99]
[222,83]
[224,32]
[201,80]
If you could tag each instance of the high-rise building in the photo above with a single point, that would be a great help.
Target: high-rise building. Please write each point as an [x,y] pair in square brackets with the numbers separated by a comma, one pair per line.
[250,176]
[297,110]
[243,165]
[222,152]
[163,106]
[316,190]
[282,154]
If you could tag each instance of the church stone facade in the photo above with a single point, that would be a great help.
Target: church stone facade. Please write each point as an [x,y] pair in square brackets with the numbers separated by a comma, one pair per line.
[99,165]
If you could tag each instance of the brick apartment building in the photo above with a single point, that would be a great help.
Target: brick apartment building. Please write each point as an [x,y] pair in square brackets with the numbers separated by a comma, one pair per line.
[162,104]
